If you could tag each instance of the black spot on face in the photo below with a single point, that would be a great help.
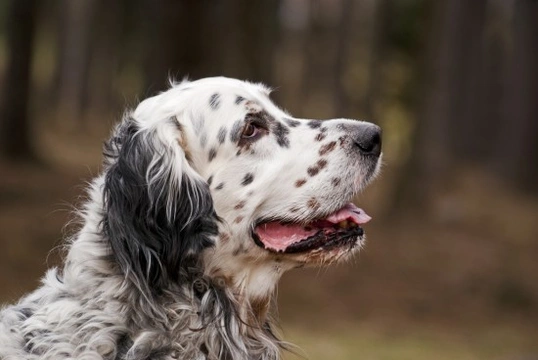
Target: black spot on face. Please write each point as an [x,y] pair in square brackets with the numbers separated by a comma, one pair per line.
[210,180]
[314,124]
[212,154]
[327,148]
[336,181]
[313,170]
[292,123]
[300,182]
[238,219]
[239,99]
[321,163]
[320,136]
[224,237]
[281,132]
[313,203]
[247,179]
[219,186]
[239,205]
[214,101]
[235,133]
[221,135]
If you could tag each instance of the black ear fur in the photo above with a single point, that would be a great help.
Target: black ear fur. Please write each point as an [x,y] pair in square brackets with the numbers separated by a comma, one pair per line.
[157,218]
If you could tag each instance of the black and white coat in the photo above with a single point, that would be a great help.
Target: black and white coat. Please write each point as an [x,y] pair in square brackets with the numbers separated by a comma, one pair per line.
[168,263]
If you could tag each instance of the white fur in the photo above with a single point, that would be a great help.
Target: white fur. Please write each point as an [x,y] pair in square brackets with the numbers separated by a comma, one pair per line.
[86,309]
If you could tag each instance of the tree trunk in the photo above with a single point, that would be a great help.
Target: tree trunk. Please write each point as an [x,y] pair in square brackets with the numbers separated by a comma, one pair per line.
[517,143]
[106,50]
[180,41]
[377,48]
[311,62]
[15,141]
[74,55]
[467,123]
[258,21]
[340,96]
[430,158]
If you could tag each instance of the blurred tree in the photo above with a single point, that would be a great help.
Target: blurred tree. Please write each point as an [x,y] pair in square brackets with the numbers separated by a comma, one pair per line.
[180,38]
[377,48]
[464,116]
[481,82]
[76,21]
[312,53]
[324,54]
[199,38]
[343,37]
[106,50]
[15,132]
[448,120]
[254,28]
[517,140]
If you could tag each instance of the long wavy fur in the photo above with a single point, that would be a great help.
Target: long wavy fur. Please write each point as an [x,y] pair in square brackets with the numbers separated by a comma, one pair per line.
[132,286]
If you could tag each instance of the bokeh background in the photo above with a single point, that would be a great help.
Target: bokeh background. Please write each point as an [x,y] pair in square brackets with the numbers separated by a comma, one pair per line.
[450,270]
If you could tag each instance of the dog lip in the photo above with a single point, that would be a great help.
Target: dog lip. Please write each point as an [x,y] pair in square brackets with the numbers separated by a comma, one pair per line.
[320,240]
[287,236]
[326,241]
[358,216]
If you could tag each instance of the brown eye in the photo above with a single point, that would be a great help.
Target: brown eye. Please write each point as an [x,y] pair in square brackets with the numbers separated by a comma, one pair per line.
[250,131]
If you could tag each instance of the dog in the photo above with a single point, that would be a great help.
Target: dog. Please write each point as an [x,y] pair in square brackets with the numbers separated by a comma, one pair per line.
[209,193]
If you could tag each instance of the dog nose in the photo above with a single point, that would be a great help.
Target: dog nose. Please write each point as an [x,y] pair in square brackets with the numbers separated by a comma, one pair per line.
[368,139]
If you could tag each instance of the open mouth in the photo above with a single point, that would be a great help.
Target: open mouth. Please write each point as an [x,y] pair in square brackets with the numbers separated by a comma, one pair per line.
[340,228]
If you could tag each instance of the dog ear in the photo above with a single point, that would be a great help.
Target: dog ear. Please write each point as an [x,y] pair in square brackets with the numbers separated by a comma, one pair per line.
[158,212]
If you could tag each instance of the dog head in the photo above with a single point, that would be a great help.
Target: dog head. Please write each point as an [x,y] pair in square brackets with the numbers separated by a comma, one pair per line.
[211,174]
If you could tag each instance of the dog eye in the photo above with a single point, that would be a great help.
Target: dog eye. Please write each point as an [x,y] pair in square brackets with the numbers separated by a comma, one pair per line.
[250,131]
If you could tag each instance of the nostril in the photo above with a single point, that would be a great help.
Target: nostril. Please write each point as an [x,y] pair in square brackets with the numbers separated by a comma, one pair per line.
[370,144]
[369,141]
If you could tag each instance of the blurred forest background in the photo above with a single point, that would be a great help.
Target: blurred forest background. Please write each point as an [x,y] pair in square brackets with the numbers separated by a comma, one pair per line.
[450,269]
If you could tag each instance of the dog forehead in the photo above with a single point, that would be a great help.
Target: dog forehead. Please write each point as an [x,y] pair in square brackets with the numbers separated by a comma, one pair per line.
[207,93]
[227,104]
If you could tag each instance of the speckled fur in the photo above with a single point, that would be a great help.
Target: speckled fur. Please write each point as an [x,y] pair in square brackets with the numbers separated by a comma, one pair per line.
[164,266]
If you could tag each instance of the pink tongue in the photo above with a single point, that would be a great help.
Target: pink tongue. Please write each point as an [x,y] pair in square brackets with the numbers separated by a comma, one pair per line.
[278,236]
[357,215]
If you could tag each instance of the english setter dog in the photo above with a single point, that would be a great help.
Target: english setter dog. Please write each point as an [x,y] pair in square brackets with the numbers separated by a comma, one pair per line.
[209,193]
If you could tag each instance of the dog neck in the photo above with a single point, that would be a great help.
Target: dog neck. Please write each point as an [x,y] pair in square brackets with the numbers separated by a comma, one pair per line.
[253,286]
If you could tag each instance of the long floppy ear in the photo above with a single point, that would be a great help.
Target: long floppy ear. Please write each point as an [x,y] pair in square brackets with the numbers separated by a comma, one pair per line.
[158,213]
